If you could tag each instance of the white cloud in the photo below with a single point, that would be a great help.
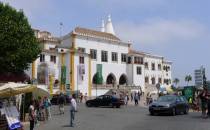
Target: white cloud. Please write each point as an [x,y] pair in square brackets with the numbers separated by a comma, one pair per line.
[116,4]
[160,31]
[31,7]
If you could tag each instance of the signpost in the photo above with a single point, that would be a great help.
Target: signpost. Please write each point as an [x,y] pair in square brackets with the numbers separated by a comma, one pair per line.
[188,92]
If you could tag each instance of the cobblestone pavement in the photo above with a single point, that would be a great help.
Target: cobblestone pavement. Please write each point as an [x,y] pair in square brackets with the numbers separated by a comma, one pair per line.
[125,118]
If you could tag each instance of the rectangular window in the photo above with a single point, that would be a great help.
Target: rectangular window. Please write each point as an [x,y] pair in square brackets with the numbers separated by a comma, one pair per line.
[81,60]
[104,56]
[146,65]
[146,79]
[53,59]
[42,58]
[129,60]
[153,80]
[93,53]
[114,56]
[138,60]
[159,66]
[159,80]
[138,70]
[123,57]
[81,50]
[153,66]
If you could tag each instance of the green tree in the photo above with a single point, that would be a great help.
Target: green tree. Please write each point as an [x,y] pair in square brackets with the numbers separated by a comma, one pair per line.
[176,81]
[18,44]
[188,78]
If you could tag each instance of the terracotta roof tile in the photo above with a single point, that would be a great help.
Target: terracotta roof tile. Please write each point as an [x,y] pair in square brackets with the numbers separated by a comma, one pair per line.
[136,52]
[90,32]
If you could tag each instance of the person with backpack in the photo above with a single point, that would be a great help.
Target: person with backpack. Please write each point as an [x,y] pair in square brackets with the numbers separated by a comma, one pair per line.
[47,105]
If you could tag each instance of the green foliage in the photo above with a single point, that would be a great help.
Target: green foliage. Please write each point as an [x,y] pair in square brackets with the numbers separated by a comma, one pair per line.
[18,44]
[188,78]
[176,81]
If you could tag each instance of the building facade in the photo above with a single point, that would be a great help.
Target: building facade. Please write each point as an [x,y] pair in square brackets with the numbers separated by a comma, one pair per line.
[87,60]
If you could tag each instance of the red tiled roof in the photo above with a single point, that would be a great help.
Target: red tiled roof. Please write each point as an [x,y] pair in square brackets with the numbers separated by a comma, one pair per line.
[90,32]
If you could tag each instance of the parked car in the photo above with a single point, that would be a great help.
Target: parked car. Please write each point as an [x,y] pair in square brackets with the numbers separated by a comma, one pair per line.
[105,100]
[54,100]
[170,104]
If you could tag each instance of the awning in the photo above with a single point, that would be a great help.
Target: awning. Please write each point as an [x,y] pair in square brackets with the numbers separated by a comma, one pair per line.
[12,89]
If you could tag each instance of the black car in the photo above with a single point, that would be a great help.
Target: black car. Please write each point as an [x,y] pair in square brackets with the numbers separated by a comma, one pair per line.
[170,104]
[54,100]
[105,100]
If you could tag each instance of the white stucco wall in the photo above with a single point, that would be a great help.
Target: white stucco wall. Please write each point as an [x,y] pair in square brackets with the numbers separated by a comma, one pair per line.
[138,79]
[83,85]
[153,73]
[116,68]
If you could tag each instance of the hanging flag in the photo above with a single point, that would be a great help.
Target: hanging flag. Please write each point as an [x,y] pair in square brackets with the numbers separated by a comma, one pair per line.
[99,74]
[63,75]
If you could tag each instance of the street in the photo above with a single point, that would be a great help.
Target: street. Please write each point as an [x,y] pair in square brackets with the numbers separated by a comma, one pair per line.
[125,118]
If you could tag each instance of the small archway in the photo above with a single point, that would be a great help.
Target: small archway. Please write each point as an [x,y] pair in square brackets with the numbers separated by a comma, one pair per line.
[42,74]
[94,81]
[123,79]
[111,79]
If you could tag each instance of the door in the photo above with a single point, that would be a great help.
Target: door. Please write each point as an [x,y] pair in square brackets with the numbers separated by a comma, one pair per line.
[184,104]
[179,106]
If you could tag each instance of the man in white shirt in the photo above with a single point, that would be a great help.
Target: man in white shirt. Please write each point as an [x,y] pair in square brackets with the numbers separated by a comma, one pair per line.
[73,109]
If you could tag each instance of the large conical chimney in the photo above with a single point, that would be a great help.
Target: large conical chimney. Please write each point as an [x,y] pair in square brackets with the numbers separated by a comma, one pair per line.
[109,27]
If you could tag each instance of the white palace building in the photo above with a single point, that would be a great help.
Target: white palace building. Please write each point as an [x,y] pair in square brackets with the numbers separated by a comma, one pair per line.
[87,59]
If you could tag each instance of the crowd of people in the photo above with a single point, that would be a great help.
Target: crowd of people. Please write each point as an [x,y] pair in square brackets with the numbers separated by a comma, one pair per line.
[134,97]
[39,110]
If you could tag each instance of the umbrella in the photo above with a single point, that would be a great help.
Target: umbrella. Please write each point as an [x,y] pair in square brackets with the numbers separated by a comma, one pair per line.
[41,91]
[12,89]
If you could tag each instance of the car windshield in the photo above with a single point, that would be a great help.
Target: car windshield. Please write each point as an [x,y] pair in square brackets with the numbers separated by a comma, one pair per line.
[166,99]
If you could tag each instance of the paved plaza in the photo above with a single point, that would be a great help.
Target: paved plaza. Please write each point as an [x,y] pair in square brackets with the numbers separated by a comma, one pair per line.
[125,118]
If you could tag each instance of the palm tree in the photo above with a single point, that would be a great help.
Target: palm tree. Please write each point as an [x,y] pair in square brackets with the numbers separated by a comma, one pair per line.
[188,78]
[176,81]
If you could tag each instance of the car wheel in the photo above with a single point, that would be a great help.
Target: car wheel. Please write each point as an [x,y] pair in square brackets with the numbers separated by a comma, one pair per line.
[186,111]
[118,106]
[173,112]
[111,105]
[152,113]
[88,104]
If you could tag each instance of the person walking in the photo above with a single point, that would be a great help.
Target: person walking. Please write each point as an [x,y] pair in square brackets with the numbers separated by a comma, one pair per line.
[46,105]
[136,99]
[31,115]
[126,99]
[61,102]
[85,97]
[73,109]
[131,96]
[203,97]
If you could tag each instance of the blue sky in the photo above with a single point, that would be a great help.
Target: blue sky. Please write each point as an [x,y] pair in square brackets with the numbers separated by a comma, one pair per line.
[176,29]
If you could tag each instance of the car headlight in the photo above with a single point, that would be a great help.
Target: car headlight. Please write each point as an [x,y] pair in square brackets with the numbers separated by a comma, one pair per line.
[168,105]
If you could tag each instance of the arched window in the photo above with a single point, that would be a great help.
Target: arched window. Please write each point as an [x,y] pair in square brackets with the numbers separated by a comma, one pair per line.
[123,79]
[111,79]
